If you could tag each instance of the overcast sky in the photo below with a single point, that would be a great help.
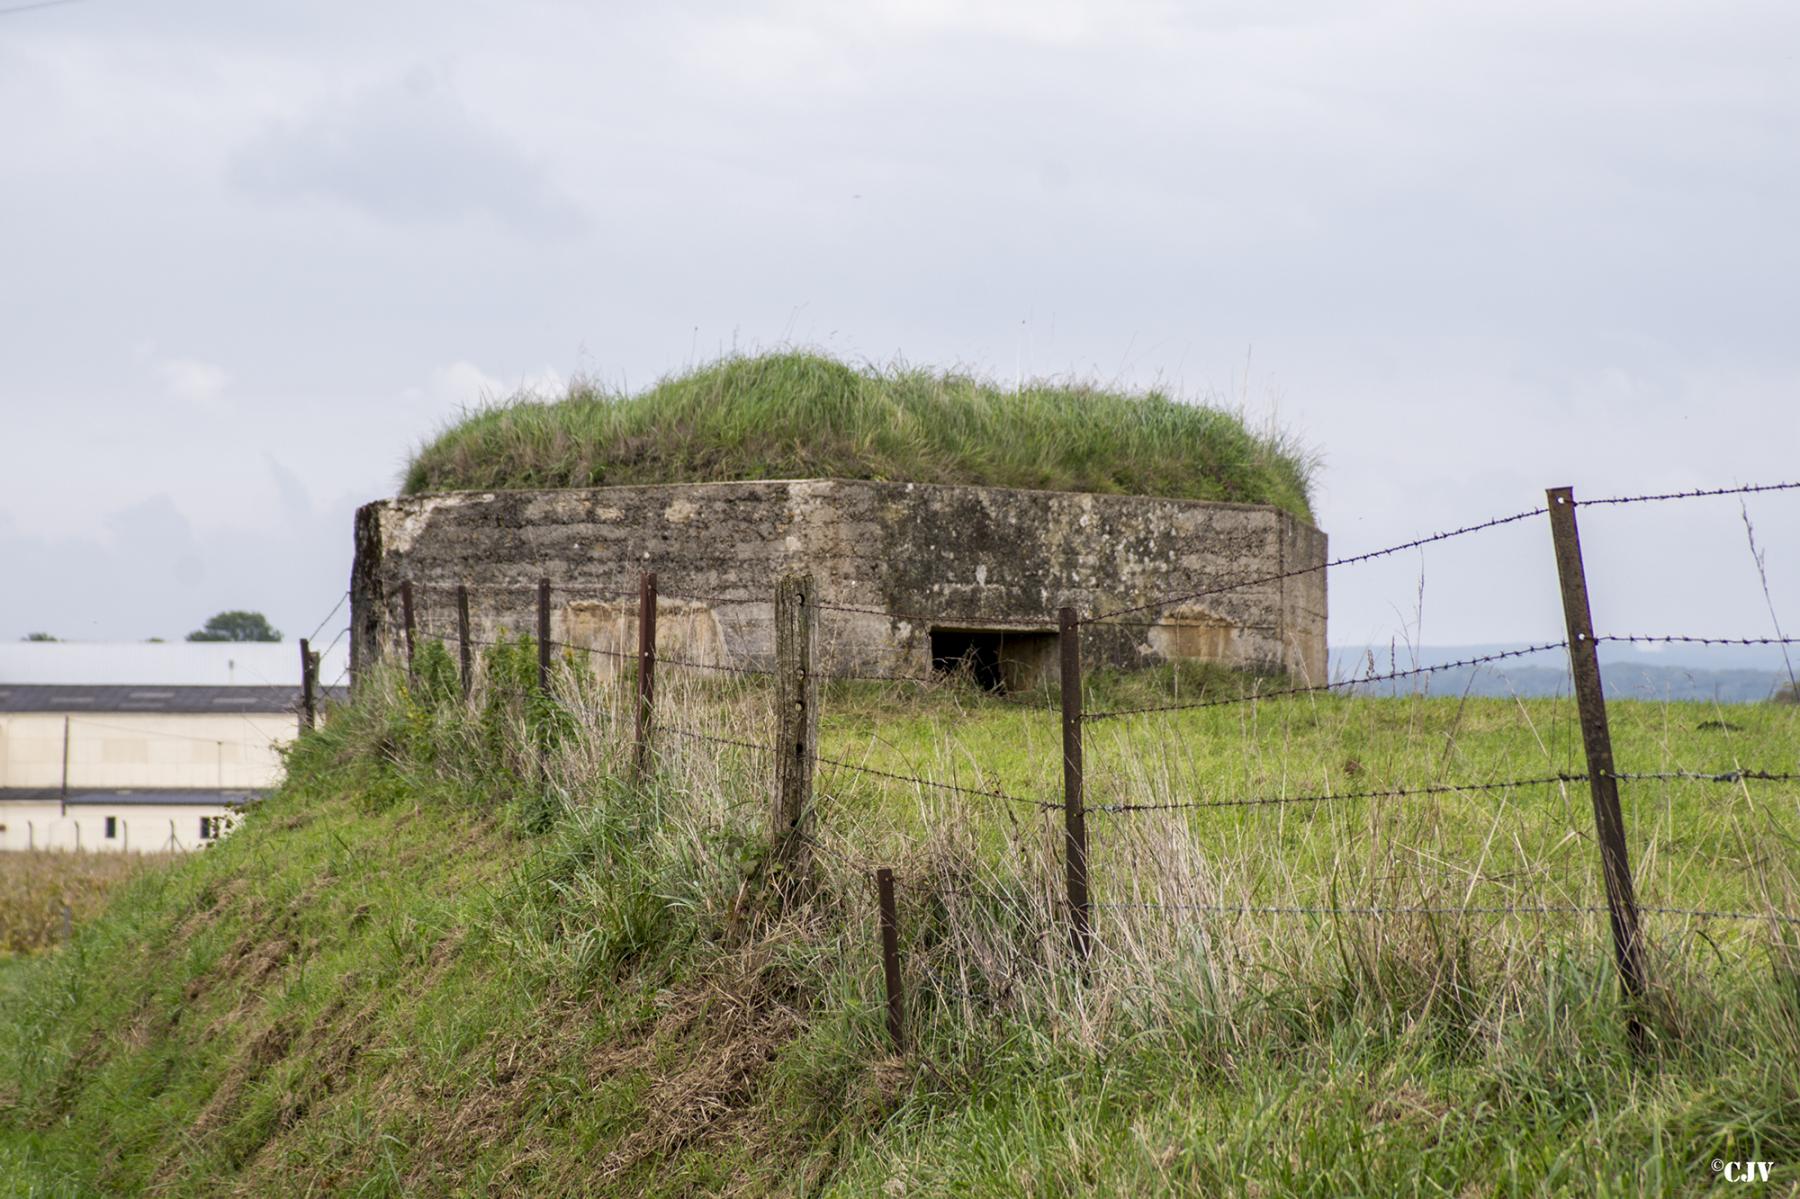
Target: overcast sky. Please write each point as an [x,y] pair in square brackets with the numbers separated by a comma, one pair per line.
[255,252]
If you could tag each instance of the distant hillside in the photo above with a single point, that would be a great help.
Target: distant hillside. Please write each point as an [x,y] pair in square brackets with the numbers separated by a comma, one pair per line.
[1722,674]
[799,415]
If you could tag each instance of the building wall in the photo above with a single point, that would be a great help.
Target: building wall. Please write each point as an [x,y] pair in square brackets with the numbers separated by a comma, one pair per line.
[138,828]
[947,556]
[143,750]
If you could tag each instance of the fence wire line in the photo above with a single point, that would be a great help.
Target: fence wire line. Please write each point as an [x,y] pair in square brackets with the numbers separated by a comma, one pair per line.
[257,742]
[984,793]
[1749,489]
[334,642]
[620,655]
[1386,793]
[329,615]
[1701,776]
[1306,570]
[870,770]
[1406,910]
[1048,622]
[1164,601]
[529,590]
[1361,681]
[694,735]
[689,663]
[685,597]
[664,659]
[1641,639]
[525,638]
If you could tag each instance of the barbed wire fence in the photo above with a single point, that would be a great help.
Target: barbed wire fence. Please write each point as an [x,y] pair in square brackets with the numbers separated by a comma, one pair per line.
[791,747]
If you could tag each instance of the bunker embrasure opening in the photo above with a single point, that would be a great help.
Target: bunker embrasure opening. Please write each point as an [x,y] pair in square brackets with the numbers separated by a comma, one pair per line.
[997,660]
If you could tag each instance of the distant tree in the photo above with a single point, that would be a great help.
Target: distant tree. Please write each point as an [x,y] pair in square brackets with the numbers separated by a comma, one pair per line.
[237,626]
[1788,695]
[40,637]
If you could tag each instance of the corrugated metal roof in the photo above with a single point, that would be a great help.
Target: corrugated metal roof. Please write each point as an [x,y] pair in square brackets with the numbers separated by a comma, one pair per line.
[51,697]
[166,664]
[89,797]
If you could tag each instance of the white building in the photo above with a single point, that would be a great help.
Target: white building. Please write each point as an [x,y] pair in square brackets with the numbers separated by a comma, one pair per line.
[146,764]
[116,821]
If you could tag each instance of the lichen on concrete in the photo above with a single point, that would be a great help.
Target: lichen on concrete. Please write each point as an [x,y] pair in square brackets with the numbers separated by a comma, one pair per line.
[917,556]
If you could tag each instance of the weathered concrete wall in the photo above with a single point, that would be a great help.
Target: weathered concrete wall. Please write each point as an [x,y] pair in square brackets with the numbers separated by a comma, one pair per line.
[917,556]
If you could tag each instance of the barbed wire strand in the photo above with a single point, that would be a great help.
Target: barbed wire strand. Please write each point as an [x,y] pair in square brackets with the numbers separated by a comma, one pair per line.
[329,615]
[1352,560]
[1332,797]
[1642,639]
[1380,910]
[1365,680]
[1037,621]
[525,638]
[694,735]
[1701,776]
[334,643]
[980,792]
[1701,493]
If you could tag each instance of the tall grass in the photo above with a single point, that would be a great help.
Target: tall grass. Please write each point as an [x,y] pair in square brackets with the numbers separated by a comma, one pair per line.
[36,886]
[800,415]
[529,973]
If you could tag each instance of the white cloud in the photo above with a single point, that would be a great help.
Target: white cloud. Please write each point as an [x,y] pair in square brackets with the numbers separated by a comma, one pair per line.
[405,153]
[196,382]
[465,385]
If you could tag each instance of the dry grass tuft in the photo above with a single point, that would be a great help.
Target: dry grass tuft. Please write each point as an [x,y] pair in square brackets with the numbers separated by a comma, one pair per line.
[35,886]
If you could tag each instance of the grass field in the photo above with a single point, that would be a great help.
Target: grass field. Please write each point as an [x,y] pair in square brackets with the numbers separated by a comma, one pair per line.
[419,970]
[799,415]
[35,886]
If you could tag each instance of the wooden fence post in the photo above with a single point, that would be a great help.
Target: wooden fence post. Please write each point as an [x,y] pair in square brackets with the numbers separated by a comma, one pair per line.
[309,678]
[1596,736]
[406,616]
[543,636]
[890,958]
[797,718]
[646,671]
[464,655]
[1075,850]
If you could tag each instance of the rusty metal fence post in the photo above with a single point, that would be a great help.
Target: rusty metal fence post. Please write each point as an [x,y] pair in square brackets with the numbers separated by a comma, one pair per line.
[309,681]
[797,721]
[543,636]
[890,958]
[1596,736]
[406,620]
[646,672]
[464,655]
[1075,855]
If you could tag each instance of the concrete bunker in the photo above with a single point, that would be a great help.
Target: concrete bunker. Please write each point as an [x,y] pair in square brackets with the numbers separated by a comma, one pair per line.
[911,578]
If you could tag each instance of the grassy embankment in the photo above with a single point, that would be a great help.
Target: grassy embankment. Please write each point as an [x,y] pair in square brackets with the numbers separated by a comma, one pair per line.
[799,415]
[418,970]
